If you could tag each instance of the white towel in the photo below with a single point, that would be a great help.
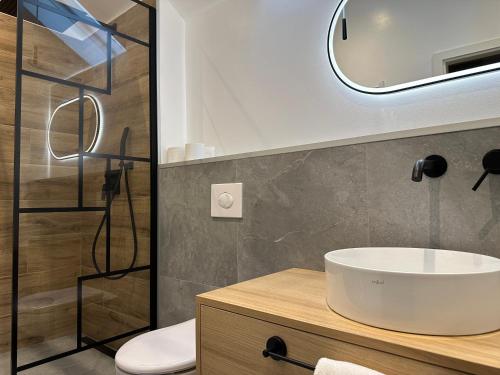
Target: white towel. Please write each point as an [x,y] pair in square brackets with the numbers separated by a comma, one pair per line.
[327,366]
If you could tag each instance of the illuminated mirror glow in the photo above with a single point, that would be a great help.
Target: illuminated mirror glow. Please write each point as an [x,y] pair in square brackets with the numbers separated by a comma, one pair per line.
[65,110]
[384,46]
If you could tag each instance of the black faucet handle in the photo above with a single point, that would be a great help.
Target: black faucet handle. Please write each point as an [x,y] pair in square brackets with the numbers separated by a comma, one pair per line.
[491,164]
[481,179]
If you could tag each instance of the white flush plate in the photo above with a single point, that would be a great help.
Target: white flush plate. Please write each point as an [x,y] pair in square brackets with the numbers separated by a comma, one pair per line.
[227,200]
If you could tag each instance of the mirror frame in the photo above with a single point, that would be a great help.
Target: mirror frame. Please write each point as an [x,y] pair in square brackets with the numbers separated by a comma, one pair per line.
[399,87]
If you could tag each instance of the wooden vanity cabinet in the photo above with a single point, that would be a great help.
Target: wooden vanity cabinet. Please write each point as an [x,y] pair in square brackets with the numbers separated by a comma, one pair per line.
[234,324]
[233,344]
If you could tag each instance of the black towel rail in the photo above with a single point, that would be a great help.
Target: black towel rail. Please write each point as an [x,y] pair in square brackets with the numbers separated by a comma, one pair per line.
[276,349]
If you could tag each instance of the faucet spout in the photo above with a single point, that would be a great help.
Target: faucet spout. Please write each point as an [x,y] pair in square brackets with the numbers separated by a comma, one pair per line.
[418,170]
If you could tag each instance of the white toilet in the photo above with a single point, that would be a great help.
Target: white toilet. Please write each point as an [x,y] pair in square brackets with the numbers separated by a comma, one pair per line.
[170,350]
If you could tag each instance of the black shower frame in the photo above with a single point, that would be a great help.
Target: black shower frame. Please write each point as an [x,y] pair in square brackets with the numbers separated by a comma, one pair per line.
[152,160]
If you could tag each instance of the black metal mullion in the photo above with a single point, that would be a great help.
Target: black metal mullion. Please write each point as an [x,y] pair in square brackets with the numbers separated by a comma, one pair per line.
[153,171]
[63,82]
[81,109]
[113,273]
[37,210]
[116,157]
[17,182]
[109,67]
[79,295]
[108,219]
[80,146]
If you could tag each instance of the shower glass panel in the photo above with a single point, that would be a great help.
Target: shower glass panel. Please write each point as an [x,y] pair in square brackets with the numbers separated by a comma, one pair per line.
[134,24]
[85,163]
[47,307]
[130,75]
[44,180]
[116,295]
[75,56]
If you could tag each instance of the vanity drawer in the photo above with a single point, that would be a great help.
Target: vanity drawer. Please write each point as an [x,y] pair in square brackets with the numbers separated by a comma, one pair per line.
[230,344]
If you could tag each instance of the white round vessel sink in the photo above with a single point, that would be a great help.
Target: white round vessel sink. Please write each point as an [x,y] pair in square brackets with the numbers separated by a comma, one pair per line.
[425,291]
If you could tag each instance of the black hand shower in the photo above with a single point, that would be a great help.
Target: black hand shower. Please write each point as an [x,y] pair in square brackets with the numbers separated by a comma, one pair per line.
[344,24]
[112,187]
[123,143]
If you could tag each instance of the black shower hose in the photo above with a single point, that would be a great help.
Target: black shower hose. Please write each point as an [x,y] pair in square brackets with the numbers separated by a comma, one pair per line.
[132,222]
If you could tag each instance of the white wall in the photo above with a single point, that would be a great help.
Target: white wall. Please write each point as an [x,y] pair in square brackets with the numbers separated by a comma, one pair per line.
[171,77]
[258,77]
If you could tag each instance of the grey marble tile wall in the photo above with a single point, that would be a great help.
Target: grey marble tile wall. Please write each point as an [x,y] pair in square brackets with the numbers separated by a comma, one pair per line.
[300,205]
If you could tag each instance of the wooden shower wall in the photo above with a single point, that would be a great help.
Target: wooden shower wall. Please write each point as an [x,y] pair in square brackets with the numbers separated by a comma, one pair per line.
[55,248]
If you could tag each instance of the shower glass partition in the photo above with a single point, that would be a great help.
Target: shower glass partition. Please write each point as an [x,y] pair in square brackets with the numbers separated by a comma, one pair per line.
[85,164]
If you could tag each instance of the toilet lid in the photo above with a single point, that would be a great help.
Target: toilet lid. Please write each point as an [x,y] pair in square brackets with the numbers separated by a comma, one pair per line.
[161,351]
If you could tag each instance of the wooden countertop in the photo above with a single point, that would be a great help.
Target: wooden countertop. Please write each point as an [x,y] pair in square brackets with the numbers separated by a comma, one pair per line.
[296,298]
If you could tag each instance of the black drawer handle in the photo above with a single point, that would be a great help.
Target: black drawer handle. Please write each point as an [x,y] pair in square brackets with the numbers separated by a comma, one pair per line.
[276,349]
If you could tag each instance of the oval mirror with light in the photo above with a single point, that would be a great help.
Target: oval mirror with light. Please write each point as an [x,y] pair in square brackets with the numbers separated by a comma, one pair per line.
[384,46]
[63,127]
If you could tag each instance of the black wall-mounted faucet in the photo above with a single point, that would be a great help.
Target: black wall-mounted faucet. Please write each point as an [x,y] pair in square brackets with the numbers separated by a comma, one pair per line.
[432,166]
[491,164]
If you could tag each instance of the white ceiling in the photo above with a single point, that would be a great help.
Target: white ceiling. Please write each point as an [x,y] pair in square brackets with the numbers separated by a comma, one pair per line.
[189,8]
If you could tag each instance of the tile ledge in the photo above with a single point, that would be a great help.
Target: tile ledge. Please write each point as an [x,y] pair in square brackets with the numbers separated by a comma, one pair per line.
[439,129]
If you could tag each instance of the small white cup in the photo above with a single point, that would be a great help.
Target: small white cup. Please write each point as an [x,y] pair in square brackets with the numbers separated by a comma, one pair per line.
[175,154]
[195,151]
[209,151]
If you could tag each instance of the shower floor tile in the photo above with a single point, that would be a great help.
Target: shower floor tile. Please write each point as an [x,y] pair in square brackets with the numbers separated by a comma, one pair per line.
[84,363]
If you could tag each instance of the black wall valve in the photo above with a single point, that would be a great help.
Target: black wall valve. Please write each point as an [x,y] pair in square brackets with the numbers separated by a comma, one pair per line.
[432,166]
[491,164]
